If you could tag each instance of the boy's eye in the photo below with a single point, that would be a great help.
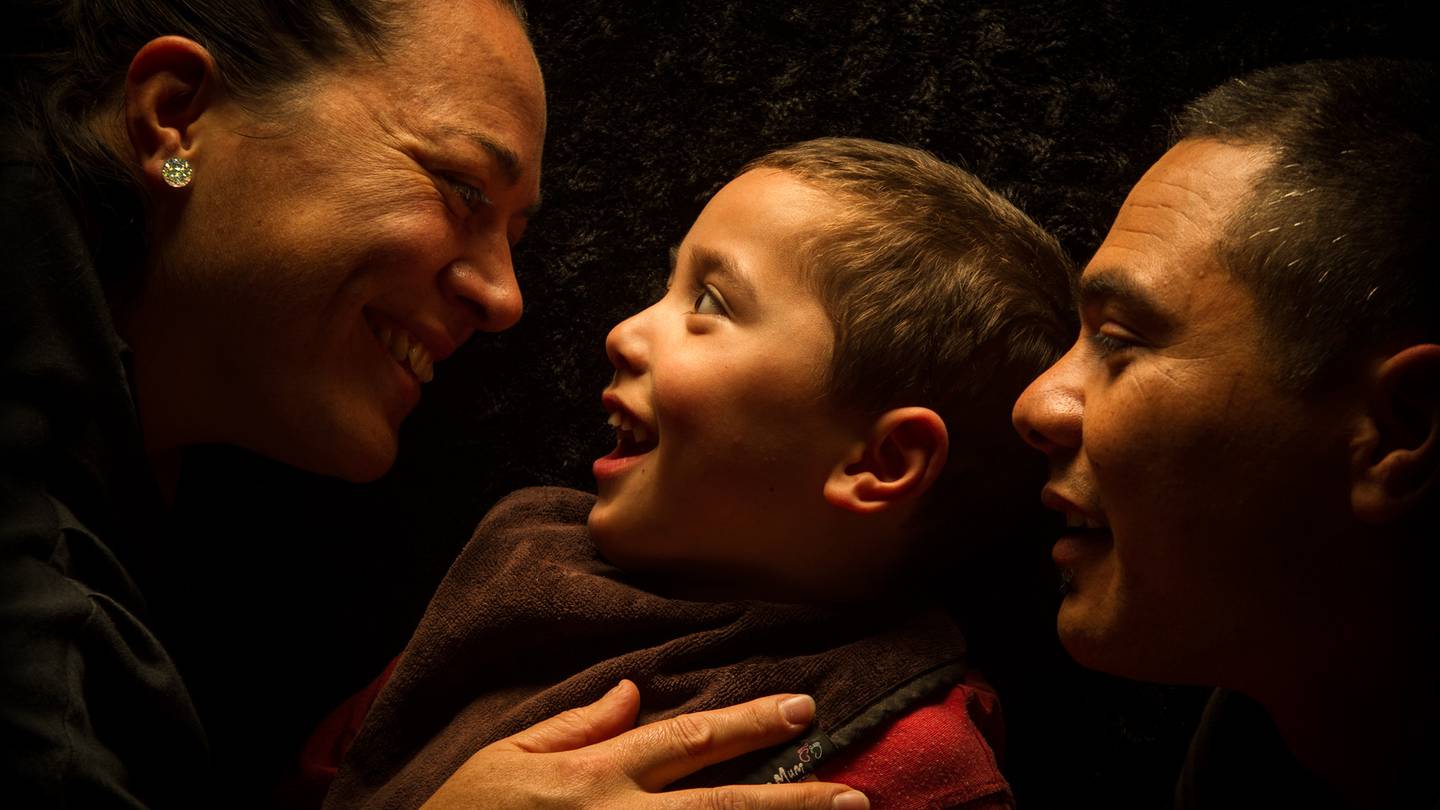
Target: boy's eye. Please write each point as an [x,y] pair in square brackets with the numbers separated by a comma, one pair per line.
[471,196]
[708,302]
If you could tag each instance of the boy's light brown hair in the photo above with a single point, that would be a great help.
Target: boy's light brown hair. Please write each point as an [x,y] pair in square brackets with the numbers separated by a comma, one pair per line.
[942,294]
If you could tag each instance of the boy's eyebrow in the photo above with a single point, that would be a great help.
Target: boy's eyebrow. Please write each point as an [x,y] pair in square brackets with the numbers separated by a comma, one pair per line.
[710,262]
[1114,284]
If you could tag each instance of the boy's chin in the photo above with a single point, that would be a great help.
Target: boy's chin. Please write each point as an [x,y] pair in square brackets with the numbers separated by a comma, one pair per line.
[608,533]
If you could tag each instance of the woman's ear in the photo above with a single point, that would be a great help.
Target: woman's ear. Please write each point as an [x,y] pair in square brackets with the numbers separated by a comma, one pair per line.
[1397,460]
[170,85]
[903,454]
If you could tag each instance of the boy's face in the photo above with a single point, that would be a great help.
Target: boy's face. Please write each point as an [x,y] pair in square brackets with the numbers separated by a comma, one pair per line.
[726,435]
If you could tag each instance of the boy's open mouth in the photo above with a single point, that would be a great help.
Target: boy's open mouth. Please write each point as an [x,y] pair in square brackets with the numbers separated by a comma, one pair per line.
[632,438]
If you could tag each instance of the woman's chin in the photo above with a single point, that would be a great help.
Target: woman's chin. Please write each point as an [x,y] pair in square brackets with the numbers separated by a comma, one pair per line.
[354,456]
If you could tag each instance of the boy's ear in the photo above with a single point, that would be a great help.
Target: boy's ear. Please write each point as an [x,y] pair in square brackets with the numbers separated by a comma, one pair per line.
[170,84]
[903,453]
[1397,460]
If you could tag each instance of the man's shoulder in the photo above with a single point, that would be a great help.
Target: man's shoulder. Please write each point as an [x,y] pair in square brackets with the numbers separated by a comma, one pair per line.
[1238,759]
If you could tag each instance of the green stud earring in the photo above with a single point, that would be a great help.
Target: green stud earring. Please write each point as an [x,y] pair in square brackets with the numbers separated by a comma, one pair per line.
[177,172]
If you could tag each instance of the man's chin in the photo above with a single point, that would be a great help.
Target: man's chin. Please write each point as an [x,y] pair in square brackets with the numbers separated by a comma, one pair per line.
[1083,635]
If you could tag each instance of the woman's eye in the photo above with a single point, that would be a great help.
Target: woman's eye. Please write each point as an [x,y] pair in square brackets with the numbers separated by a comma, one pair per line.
[468,194]
[708,303]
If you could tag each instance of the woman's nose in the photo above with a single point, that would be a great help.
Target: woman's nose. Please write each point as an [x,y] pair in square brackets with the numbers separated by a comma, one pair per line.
[626,344]
[488,287]
[1049,413]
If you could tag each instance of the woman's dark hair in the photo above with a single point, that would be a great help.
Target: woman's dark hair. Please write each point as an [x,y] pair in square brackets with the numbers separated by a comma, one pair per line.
[73,61]
[68,60]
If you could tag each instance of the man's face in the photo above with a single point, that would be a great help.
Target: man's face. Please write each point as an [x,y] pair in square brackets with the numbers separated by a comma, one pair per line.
[322,268]
[1197,490]
[726,437]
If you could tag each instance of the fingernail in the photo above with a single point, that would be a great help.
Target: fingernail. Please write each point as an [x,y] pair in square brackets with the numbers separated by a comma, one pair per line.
[850,800]
[798,710]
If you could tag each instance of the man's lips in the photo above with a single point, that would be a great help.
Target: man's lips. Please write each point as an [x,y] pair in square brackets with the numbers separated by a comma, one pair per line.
[1086,532]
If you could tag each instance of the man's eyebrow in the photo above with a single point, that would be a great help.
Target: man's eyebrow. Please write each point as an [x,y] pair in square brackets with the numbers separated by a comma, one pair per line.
[1113,284]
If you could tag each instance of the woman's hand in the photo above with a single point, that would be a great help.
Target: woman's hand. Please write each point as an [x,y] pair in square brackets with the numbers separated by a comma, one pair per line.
[591,757]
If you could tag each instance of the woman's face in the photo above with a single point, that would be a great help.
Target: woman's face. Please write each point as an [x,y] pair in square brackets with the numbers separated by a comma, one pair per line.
[325,258]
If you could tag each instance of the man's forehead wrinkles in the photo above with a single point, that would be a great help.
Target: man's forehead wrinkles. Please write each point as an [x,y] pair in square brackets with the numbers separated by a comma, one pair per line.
[1162,229]
[1124,237]
[1184,187]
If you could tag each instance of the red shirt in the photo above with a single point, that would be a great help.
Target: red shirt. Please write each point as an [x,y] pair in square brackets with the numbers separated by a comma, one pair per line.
[937,756]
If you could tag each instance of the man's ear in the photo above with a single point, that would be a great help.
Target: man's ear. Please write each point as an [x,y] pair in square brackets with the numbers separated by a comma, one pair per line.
[902,455]
[1397,462]
[171,83]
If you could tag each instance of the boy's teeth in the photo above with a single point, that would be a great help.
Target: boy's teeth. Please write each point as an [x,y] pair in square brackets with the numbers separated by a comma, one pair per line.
[640,434]
[614,420]
[625,423]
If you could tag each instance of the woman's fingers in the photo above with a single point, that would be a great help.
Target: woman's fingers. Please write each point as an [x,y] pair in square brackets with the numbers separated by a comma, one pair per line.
[799,796]
[612,714]
[656,754]
[563,762]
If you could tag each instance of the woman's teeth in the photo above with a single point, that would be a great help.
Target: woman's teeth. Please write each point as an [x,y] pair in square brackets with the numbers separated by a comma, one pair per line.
[407,351]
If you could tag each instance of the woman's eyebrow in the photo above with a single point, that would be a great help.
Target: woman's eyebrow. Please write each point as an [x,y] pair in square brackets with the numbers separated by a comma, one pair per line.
[504,156]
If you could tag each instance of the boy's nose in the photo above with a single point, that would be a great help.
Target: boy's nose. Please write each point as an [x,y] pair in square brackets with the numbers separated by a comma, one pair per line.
[625,345]
[1049,413]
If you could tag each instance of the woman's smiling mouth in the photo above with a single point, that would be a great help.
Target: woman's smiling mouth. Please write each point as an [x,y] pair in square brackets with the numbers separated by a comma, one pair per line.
[405,349]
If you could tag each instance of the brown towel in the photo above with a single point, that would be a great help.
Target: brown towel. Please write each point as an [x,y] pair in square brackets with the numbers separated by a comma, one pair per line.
[529,622]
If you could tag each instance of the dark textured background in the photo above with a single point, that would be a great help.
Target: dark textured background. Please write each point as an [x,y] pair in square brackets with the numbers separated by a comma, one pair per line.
[300,589]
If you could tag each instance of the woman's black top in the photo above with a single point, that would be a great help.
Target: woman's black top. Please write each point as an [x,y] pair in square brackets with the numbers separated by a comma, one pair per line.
[92,711]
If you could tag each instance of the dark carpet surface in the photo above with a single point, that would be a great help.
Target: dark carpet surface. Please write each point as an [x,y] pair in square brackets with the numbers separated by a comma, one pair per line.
[303,588]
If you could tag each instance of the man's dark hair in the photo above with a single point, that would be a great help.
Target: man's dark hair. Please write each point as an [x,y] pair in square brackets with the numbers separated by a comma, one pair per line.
[1337,237]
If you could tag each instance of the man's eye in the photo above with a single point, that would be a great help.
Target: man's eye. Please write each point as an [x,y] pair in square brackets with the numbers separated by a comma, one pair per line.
[1107,344]
[708,303]
[468,194]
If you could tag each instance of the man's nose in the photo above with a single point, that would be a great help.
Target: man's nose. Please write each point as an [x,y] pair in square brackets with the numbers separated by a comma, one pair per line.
[487,286]
[1050,412]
